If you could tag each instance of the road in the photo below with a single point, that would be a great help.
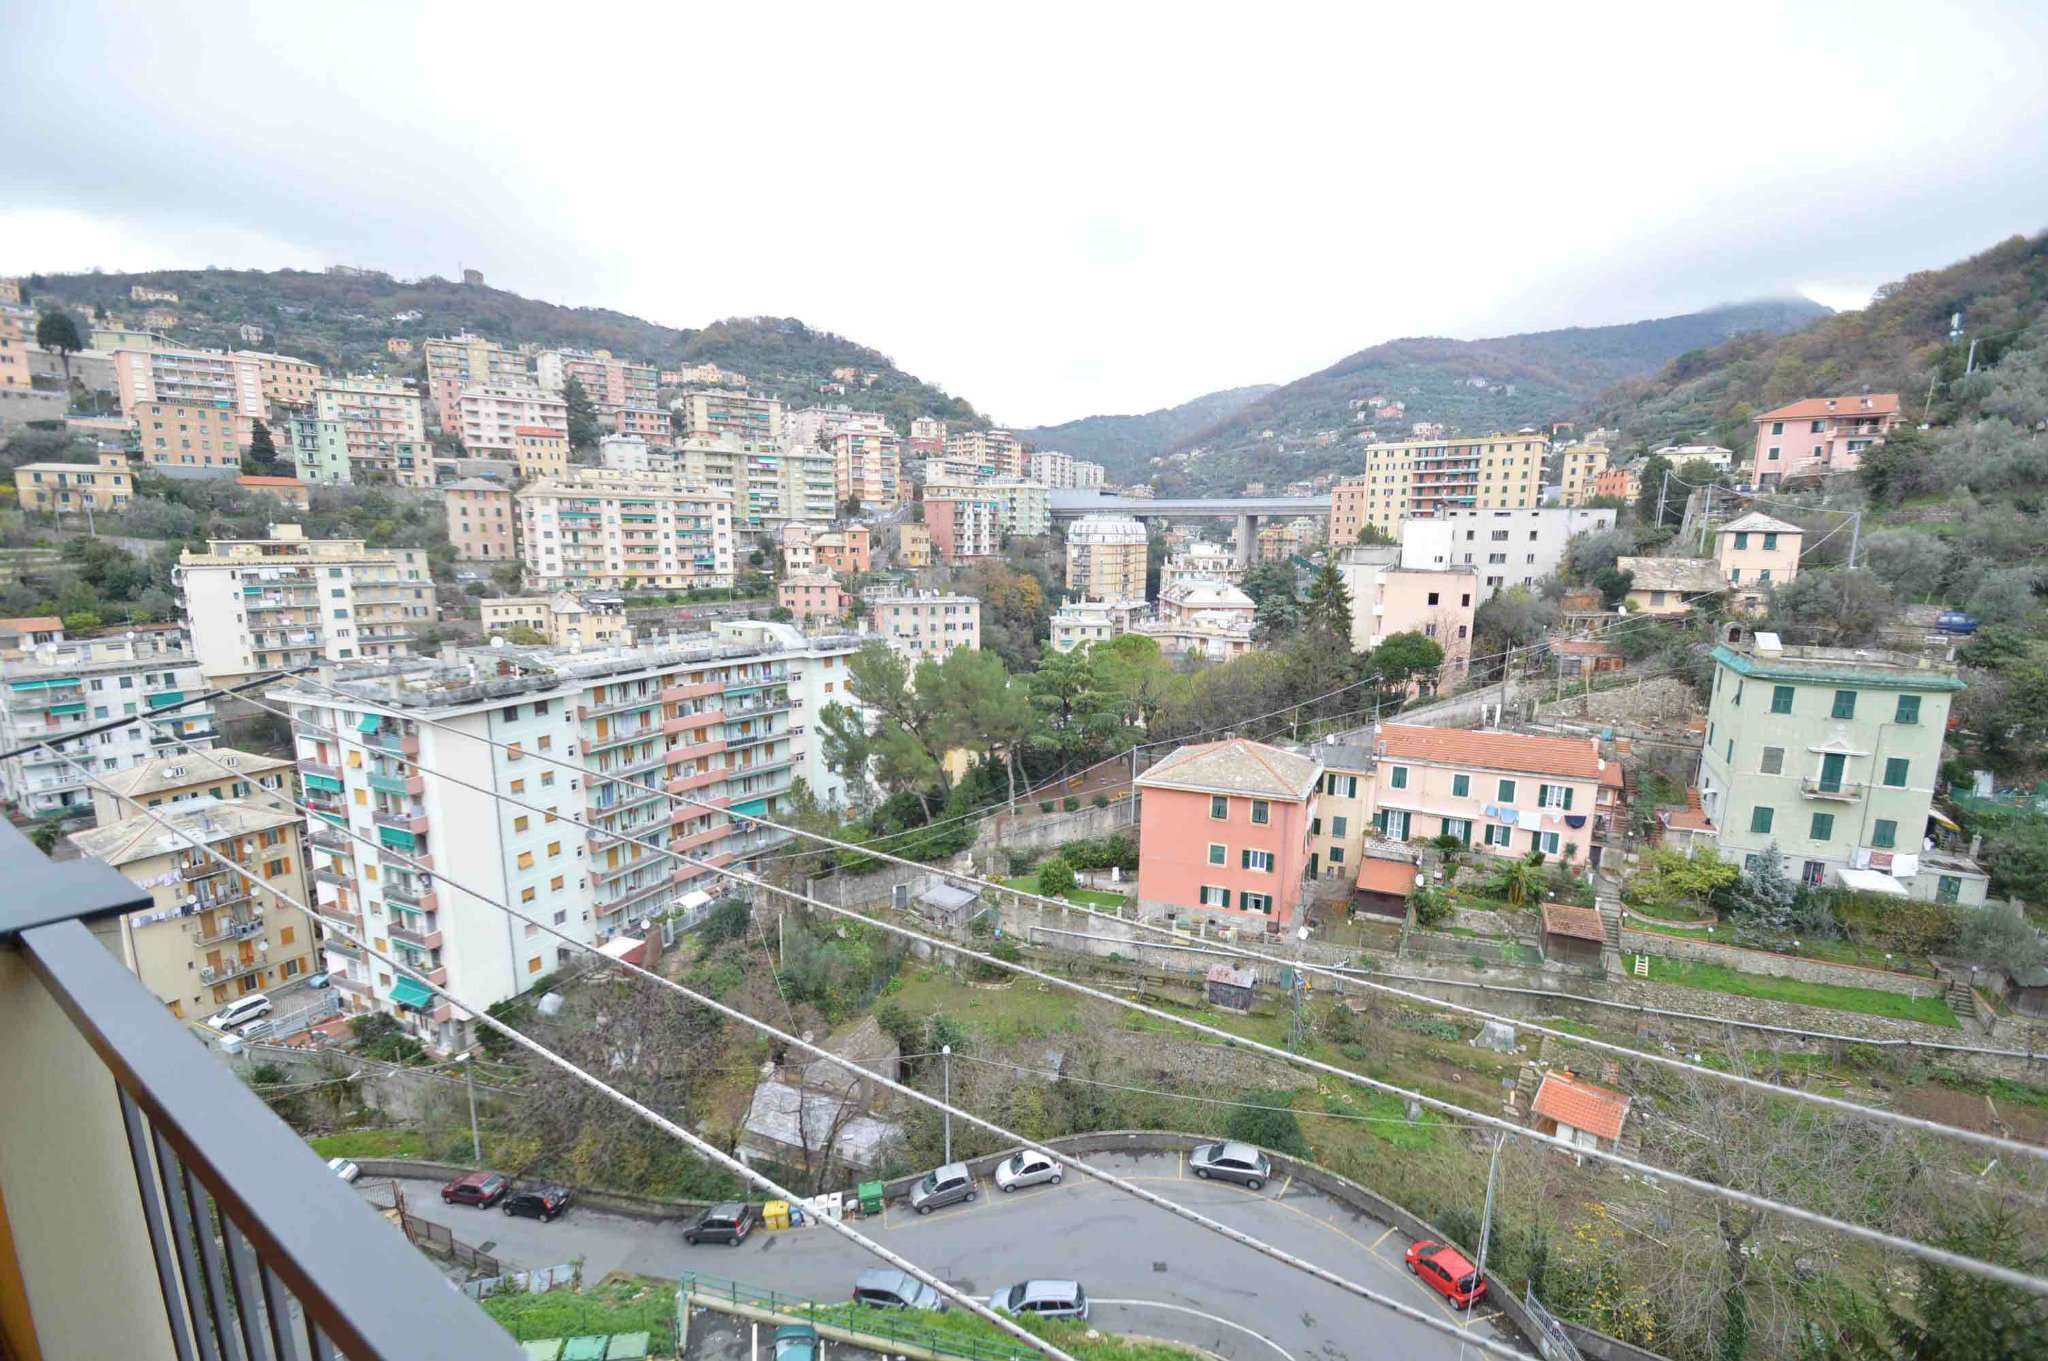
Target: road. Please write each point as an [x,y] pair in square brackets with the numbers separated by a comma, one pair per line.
[1147,1271]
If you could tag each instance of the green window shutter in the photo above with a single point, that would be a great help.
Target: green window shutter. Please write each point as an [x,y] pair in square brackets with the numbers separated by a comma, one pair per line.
[1218,855]
[1948,889]
[1909,709]
[1885,835]
[1461,786]
[1400,777]
[1823,828]
[1760,819]
[1244,859]
[1770,541]
[1845,704]
[1742,538]
[1506,792]
[1781,699]
[1567,798]
[1895,772]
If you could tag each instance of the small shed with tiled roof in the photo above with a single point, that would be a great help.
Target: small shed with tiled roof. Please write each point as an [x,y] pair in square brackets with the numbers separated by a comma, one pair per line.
[1572,934]
[1578,1113]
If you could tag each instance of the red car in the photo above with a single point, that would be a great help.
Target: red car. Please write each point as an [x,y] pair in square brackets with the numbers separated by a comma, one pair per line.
[475,1188]
[1446,1270]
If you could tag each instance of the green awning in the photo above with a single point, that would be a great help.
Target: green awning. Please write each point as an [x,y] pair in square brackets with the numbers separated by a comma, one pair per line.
[754,807]
[368,723]
[326,782]
[398,839]
[410,992]
[66,710]
[167,699]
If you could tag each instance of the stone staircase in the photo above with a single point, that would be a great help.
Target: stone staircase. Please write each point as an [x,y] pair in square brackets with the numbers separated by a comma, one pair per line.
[1963,1002]
[1610,933]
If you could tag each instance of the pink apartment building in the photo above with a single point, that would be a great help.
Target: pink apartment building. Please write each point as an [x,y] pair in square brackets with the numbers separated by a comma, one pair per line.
[846,551]
[813,598]
[1506,793]
[964,525]
[1820,435]
[1224,834]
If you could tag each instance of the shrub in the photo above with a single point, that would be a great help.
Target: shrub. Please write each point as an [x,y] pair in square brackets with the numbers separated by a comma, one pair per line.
[1070,803]
[1431,906]
[1256,1123]
[1045,805]
[1100,801]
[1055,877]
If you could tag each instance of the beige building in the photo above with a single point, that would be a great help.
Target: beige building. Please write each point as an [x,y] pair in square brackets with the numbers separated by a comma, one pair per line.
[561,618]
[1579,465]
[265,604]
[289,490]
[799,550]
[1342,833]
[1386,598]
[868,466]
[1669,586]
[1757,553]
[184,777]
[1106,557]
[61,487]
[285,384]
[711,413]
[913,545]
[210,937]
[383,429]
[1199,562]
[187,434]
[600,530]
[925,625]
[539,451]
[482,524]
[458,362]
[14,346]
[995,452]
[1425,477]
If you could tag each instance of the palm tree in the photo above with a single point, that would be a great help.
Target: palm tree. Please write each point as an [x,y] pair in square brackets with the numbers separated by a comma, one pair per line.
[1522,881]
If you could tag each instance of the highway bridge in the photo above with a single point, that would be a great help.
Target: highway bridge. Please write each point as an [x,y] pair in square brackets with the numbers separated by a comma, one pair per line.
[1250,512]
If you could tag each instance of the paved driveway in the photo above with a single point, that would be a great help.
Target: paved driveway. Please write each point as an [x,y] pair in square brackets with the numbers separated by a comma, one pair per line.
[1147,1271]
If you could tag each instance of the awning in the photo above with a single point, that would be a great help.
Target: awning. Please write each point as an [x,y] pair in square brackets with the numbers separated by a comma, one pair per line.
[410,992]
[66,710]
[167,699]
[1395,878]
[368,723]
[398,839]
[326,782]
[1944,820]
[1870,881]
[755,807]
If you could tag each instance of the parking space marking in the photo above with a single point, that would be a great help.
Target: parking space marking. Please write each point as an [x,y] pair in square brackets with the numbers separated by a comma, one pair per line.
[1282,1192]
[1481,1318]
[1381,1239]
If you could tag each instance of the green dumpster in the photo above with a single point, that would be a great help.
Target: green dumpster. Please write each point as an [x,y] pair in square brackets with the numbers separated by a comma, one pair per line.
[870,1193]
[584,1348]
[627,1347]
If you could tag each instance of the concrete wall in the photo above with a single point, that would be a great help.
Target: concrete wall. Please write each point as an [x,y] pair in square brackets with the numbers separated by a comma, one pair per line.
[1776,966]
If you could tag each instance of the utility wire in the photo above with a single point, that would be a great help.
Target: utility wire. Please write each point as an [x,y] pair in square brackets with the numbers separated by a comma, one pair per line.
[154,714]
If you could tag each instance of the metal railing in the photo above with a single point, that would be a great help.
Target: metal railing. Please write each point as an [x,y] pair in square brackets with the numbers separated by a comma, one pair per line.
[881,1330]
[158,1208]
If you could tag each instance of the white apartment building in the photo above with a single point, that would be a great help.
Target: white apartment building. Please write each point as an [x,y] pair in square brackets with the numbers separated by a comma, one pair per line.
[815,426]
[201,377]
[383,429]
[1106,556]
[600,530]
[1063,472]
[789,486]
[1502,547]
[258,604]
[56,689]
[925,625]
[633,454]
[1078,623]
[1199,562]
[491,416]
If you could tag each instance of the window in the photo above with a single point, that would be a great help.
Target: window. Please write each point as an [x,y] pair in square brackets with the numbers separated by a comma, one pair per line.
[1506,792]
[1219,808]
[526,860]
[1781,699]
[1777,427]
[1213,896]
[533,965]
[1770,541]
[1760,819]
[1257,902]
[519,786]
[1262,861]
[554,848]
[1546,842]
[1742,539]
[1461,786]
[1498,836]
[1262,812]
[1845,704]
[1400,780]
[1823,828]
[555,884]
[1336,855]
[1948,889]
[1909,709]
[519,823]
[287,935]
[1341,786]
[1338,826]
[526,896]
[1219,854]
[1553,796]
[1884,834]
[1895,771]
[1772,762]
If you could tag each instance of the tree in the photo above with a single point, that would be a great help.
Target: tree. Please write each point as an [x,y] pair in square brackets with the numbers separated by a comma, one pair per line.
[1328,609]
[1512,617]
[1260,1122]
[1956,1316]
[1840,608]
[262,460]
[1373,536]
[1652,472]
[1613,584]
[57,331]
[582,413]
[1521,881]
[1273,589]
[1898,467]
[1407,656]
[849,508]
[1055,877]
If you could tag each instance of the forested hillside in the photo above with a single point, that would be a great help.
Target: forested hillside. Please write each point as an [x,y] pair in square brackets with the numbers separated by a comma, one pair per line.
[343,321]
[1474,386]
[1124,443]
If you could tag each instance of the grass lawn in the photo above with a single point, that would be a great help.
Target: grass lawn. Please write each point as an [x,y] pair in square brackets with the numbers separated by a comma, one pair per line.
[1669,929]
[1024,1009]
[958,1326]
[1869,1001]
[1087,896]
[1388,1121]
[371,1143]
[618,1304]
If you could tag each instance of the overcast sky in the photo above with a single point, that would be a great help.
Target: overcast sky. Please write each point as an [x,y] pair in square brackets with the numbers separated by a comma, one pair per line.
[1052,211]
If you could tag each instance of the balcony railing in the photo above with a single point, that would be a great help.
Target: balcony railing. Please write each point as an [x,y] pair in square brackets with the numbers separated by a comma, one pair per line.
[234,968]
[232,929]
[1816,787]
[155,1206]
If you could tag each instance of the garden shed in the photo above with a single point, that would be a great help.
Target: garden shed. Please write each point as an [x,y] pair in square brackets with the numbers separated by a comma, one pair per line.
[1573,935]
[1232,988]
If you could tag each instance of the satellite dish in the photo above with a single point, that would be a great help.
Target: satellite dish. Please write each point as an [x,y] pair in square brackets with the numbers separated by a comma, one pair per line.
[497,640]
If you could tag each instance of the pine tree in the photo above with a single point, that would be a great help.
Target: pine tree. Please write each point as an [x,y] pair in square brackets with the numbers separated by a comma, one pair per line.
[583,427]
[58,333]
[1329,603]
[262,460]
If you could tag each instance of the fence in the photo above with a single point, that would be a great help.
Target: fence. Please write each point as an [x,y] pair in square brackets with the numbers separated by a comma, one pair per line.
[1550,1337]
[878,1330]
[537,1282]
[436,1239]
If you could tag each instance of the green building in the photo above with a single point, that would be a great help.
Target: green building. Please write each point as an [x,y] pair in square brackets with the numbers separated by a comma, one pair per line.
[319,449]
[1831,755]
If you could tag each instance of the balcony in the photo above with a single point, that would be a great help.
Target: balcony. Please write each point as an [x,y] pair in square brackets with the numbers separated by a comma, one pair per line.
[1842,791]
[403,785]
[690,784]
[343,981]
[189,870]
[235,928]
[620,737]
[696,690]
[412,823]
[682,723]
[419,940]
[411,899]
[406,744]
[156,1208]
[234,968]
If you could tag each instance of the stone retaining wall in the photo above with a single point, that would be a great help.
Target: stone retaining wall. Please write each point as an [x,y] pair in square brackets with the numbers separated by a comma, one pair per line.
[1775,965]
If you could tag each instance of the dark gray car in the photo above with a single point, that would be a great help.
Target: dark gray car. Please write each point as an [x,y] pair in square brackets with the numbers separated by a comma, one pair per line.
[1231,1161]
[886,1288]
[945,1186]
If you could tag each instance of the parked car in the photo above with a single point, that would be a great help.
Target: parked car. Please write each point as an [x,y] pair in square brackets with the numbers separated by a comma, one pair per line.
[887,1288]
[944,1186]
[727,1222]
[241,1011]
[543,1201]
[1955,621]
[343,1168]
[796,1342]
[1046,1299]
[1232,1161]
[1447,1271]
[475,1188]
[1028,1169]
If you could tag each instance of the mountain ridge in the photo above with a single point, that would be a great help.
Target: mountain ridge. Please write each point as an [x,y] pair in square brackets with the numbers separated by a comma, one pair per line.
[1123,441]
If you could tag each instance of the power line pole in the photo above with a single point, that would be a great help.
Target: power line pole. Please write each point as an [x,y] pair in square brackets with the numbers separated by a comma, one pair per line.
[476,1143]
[1855,535]
[946,1053]
[1486,1215]
[1663,491]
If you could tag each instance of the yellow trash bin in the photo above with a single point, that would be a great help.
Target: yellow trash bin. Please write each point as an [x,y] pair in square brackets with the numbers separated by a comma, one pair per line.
[775,1215]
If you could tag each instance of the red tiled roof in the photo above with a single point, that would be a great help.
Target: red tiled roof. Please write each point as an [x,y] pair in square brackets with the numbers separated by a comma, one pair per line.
[1392,877]
[539,430]
[253,481]
[34,623]
[1584,647]
[1611,776]
[1576,758]
[1582,1105]
[1580,923]
[1691,818]
[1814,408]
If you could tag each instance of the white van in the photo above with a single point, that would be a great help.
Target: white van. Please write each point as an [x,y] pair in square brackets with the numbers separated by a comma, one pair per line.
[241,1011]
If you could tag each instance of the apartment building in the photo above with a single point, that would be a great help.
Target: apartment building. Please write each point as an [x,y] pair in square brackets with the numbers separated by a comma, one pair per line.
[1342,831]
[1050,468]
[634,454]
[964,524]
[1828,758]
[382,426]
[209,935]
[1713,455]
[59,688]
[20,637]
[1077,623]
[1502,547]
[259,604]
[65,487]
[1623,484]
[1820,435]
[601,530]
[318,449]
[1224,835]
[927,437]
[180,776]
[283,383]
[799,549]
[482,521]
[540,451]
[16,331]
[562,618]
[463,361]
[997,451]
[1432,476]
[709,413]
[845,551]
[1199,562]
[789,486]
[1507,793]
[813,598]
[913,545]
[868,467]
[1757,553]
[622,391]
[211,378]
[1578,466]
[1389,598]
[925,625]
[817,426]
[1106,556]
[1026,506]
[491,416]
[190,434]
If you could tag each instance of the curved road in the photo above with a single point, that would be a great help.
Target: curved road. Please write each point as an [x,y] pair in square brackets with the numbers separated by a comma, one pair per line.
[1147,1271]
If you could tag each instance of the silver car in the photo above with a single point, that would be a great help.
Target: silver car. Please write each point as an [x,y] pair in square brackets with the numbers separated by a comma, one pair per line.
[1232,1161]
[1028,1169]
[885,1288]
[1044,1299]
[944,1186]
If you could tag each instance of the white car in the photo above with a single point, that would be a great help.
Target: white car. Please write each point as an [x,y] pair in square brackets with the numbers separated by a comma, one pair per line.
[1028,1169]
[343,1168]
[240,1012]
